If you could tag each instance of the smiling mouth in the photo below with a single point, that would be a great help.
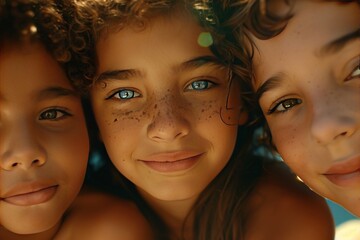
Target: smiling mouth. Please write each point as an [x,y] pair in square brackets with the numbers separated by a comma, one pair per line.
[172,165]
[345,179]
[345,173]
[32,197]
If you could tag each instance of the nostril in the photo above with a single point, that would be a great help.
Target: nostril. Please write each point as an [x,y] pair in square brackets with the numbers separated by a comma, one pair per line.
[36,161]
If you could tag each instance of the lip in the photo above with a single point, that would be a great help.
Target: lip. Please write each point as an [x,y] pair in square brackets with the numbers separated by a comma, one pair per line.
[28,194]
[172,161]
[346,172]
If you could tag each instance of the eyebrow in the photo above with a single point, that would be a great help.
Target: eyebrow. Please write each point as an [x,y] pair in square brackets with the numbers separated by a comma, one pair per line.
[55,92]
[117,74]
[269,84]
[337,44]
[126,74]
[201,61]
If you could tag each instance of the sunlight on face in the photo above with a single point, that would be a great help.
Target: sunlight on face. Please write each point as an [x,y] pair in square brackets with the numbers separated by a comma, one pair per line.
[309,79]
[43,140]
[157,103]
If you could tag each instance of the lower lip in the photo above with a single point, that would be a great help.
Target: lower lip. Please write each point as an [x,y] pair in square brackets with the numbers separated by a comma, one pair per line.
[174,166]
[346,179]
[32,198]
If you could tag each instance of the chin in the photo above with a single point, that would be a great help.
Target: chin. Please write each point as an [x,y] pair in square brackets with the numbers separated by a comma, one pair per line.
[32,223]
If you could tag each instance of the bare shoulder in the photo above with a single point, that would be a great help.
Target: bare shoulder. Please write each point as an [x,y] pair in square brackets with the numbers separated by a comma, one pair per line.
[284,208]
[96,216]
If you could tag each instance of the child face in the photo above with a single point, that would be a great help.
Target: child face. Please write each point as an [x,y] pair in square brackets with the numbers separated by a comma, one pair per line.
[157,103]
[309,81]
[43,140]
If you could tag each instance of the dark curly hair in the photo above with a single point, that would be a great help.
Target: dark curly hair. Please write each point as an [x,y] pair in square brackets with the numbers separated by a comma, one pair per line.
[30,20]
[227,194]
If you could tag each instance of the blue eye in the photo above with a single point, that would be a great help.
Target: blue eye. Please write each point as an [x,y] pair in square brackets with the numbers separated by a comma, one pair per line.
[125,94]
[285,105]
[200,85]
[53,114]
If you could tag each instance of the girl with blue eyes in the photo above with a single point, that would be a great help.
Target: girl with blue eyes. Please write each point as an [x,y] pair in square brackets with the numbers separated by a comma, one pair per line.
[307,81]
[171,119]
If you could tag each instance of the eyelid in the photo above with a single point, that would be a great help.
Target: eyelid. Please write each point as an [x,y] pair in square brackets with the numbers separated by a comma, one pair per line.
[116,91]
[355,70]
[275,105]
[213,82]
[66,113]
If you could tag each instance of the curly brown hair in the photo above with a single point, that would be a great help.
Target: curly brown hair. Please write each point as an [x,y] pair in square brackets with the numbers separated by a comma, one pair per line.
[227,195]
[30,20]
[88,20]
[36,21]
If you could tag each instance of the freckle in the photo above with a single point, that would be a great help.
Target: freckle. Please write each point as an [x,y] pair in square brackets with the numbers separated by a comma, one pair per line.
[202,110]
[115,120]
[155,106]
[210,116]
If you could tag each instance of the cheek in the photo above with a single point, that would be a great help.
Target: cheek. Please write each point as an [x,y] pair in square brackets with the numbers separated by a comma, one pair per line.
[288,141]
[72,152]
[206,110]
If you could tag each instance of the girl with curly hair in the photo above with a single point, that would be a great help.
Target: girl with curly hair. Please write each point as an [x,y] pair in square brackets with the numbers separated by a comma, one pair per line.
[171,119]
[44,142]
[306,80]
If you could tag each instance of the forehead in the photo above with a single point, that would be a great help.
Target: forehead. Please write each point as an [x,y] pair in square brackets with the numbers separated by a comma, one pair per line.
[29,67]
[314,24]
[165,37]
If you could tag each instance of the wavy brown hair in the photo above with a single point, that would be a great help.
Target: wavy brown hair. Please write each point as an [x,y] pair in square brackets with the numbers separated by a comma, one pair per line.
[221,209]
[266,19]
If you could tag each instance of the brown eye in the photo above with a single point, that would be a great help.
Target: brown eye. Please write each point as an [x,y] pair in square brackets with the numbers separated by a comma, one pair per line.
[285,105]
[354,74]
[53,114]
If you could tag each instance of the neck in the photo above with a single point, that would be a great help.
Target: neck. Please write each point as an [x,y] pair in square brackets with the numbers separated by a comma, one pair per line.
[174,214]
[46,235]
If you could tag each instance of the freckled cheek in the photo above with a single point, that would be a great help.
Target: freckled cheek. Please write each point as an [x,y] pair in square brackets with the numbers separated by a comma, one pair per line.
[120,123]
[206,110]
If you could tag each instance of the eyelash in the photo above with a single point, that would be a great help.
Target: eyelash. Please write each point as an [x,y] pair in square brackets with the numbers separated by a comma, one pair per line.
[198,85]
[356,75]
[127,94]
[286,104]
[206,84]
[54,114]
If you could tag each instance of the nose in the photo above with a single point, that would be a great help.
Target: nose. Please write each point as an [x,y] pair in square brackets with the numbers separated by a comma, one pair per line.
[20,148]
[333,121]
[169,122]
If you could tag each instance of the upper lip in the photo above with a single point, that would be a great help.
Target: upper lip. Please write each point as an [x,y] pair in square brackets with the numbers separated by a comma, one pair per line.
[170,156]
[26,188]
[345,166]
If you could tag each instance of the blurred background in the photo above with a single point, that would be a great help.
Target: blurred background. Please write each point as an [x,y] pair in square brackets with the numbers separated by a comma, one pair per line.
[347,225]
